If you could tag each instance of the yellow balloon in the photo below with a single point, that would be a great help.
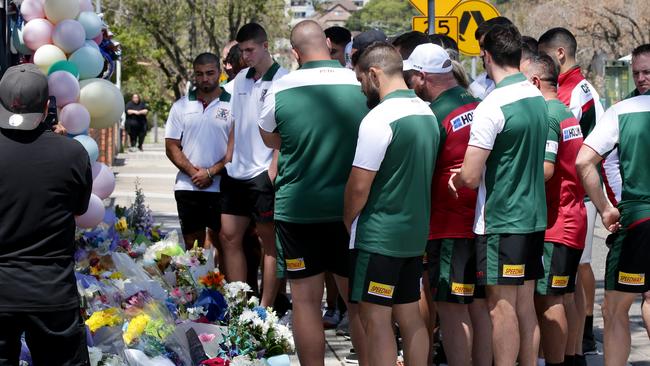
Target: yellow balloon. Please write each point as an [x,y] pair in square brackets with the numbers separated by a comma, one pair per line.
[47,55]
[58,10]
[103,100]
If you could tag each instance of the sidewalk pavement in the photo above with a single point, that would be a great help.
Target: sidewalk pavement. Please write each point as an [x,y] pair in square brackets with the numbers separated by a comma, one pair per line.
[156,175]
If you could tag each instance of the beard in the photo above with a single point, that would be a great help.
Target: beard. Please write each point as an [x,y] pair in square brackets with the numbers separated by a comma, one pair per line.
[208,87]
[372,98]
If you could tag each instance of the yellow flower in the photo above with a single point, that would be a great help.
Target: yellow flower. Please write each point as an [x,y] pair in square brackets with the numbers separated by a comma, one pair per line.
[135,328]
[103,318]
[116,276]
[121,225]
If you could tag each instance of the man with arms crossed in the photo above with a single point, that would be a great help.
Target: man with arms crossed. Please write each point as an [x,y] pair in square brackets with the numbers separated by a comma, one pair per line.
[567,225]
[387,205]
[248,185]
[451,252]
[625,125]
[196,138]
[504,160]
[312,117]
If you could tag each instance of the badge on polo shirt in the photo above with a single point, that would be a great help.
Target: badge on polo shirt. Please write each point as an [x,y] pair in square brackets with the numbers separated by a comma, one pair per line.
[223,113]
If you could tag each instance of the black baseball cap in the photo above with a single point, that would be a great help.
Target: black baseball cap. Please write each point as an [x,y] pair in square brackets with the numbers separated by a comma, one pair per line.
[23,97]
[365,39]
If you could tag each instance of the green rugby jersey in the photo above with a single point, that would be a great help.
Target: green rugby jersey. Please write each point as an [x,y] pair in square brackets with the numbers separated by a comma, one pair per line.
[316,110]
[512,122]
[399,139]
[626,125]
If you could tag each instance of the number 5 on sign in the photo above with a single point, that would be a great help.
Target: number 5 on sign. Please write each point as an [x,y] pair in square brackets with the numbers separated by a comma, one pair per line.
[443,25]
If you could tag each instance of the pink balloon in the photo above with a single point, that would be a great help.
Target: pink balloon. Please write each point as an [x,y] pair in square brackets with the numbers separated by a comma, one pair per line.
[64,86]
[69,35]
[32,9]
[99,38]
[103,180]
[94,215]
[86,5]
[37,33]
[75,118]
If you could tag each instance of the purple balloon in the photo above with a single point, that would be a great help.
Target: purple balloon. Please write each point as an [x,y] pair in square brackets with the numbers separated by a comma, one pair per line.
[94,215]
[37,33]
[64,86]
[75,118]
[32,9]
[69,35]
[103,180]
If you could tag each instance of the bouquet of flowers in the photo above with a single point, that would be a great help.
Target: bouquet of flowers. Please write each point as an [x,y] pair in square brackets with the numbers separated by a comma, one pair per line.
[136,222]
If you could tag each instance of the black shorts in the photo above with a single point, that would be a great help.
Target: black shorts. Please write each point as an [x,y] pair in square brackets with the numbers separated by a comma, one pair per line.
[252,198]
[509,259]
[560,269]
[384,280]
[451,267]
[54,338]
[628,266]
[306,250]
[198,210]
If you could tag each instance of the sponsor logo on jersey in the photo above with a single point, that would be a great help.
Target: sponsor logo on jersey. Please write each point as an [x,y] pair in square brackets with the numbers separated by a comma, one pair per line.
[223,113]
[462,289]
[571,133]
[381,290]
[585,88]
[560,281]
[552,147]
[297,264]
[514,270]
[462,121]
[631,279]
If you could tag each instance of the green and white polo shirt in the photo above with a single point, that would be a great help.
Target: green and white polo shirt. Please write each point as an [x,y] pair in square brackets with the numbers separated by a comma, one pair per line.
[250,156]
[399,139]
[512,122]
[626,125]
[316,110]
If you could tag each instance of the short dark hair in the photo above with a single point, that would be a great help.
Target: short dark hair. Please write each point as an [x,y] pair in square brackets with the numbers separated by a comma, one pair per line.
[549,69]
[503,42]
[381,55]
[338,35]
[528,47]
[484,27]
[207,58]
[644,48]
[560,37]
[408,41]
[251,32]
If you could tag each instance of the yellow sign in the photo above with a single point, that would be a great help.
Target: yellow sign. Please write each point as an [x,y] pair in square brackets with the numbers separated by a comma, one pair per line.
[514,270]
[631,279]
[297,264]
[381,290]
[462,289]
[443,25]
[560,282]
[443,7]
[468,14]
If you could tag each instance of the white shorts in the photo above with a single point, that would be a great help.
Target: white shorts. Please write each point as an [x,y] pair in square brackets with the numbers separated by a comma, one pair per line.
[592,213]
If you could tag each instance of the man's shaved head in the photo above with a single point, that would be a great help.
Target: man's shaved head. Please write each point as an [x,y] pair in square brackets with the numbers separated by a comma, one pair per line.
[307,38]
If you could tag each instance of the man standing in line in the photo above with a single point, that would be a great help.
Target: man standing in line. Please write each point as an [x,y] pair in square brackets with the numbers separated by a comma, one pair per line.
[315,158]
[504,160]
[247,186]
[387,206]
[339,37]
[196,139]
[567,220]
[136,121]
[625,125]
[451,251]
[46,180]
[584,102]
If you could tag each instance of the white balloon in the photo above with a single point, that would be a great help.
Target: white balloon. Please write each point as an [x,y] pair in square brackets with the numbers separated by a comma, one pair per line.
[103,100]
[47,55]
[94,215]
[58,10]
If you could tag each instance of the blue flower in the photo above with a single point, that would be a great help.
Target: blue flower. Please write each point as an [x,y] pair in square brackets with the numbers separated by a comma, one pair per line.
[261,312]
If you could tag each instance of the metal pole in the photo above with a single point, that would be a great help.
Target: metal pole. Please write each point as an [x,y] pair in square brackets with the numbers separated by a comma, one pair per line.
[98,6]
[155,127]
[473,67]
[431,13]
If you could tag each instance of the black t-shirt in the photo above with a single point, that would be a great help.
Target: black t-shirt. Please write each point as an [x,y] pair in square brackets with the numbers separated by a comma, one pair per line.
[139,119]
[45,179]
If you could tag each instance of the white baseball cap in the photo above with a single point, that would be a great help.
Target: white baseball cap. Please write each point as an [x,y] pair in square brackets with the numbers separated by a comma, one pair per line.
[429,58]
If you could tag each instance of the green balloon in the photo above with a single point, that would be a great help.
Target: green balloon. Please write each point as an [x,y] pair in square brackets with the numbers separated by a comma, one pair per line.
[64,65]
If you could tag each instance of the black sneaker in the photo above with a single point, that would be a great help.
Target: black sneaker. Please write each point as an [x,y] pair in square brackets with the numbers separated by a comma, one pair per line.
[352,358]
[589,346]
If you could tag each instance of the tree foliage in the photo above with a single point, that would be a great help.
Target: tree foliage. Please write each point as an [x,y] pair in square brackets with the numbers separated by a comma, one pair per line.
[160,38]
[391,16]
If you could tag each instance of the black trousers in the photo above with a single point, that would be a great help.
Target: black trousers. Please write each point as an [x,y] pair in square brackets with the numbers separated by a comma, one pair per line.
[55,338]
[136,132]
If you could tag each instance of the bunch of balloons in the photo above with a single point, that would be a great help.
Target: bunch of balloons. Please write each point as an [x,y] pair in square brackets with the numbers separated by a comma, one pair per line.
[63,37]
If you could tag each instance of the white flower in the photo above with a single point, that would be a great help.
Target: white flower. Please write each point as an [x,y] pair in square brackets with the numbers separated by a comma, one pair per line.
[284,334]
[241,361]
[253,301]
[236,289]
[248,316]
[257,322]
[195,312]
[271,316]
